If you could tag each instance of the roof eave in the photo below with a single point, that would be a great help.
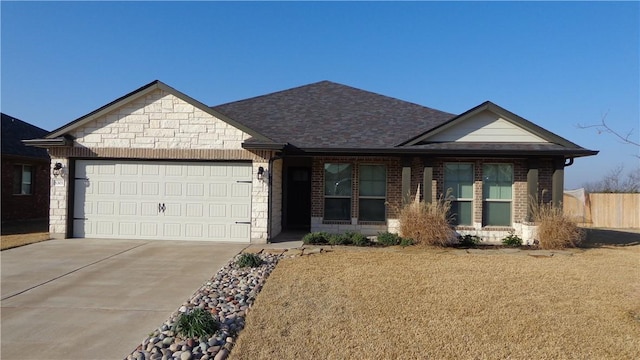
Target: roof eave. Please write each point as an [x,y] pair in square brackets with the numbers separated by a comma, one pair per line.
[263,146]
[46,143]
[567,153]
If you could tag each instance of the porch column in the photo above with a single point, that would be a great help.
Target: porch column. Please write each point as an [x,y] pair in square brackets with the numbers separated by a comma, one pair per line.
[427,180]
[406,180]
[532,187]
[557,182]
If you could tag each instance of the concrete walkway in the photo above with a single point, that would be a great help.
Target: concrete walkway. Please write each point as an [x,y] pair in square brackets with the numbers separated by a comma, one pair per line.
[97,299]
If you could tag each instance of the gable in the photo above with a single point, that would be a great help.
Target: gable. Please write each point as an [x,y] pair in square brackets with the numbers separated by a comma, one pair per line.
[486,126]
[158,120]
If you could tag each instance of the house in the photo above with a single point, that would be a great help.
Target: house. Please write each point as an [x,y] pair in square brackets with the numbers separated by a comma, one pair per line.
[25,172]
[158,164]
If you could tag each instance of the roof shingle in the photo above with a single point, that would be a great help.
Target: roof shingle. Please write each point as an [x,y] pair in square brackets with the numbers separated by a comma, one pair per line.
[13,131]
[331,115]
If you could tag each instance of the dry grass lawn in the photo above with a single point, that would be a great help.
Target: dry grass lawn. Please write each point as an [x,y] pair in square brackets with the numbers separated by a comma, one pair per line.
[432,304]
[15,240]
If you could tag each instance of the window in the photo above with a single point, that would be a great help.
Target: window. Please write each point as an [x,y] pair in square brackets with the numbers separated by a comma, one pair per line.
[497,194]
[337,191]
[22,179]
[372,193]
[458,177]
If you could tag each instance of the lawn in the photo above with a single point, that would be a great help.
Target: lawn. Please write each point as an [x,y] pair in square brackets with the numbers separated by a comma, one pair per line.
[418,303]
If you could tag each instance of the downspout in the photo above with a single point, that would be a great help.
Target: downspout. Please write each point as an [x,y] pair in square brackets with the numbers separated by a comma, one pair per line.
[270,193]
[566,164]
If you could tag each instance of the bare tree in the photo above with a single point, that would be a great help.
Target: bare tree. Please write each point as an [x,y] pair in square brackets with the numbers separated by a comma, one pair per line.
[615,182]
[603,127]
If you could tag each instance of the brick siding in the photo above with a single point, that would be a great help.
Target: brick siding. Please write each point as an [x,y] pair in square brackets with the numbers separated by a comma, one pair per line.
[25,207]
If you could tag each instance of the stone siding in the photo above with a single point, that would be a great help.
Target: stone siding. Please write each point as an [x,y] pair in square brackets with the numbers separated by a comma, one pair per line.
[159,126]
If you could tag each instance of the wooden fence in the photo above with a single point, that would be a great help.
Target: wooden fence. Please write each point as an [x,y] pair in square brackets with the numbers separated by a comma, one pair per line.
[621,211]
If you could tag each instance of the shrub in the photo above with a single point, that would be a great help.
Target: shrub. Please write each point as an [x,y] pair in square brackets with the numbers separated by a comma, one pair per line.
[358,239]
[249,260]
[340,239]
[512,240]
[315,238]
[555,230]
[388,239]
[198,323]
[427,223]
[406,242]
[469,240]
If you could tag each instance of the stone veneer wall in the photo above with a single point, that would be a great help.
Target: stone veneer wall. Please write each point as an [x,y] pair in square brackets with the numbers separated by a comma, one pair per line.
[159,126]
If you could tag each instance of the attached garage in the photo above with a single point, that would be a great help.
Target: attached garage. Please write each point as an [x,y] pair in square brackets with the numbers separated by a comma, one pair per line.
[162,200]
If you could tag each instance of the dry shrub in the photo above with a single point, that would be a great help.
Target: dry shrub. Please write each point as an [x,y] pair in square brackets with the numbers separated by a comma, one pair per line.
[427,223]
[555,229]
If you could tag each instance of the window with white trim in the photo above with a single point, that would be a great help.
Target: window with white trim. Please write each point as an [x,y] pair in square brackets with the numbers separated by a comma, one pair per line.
[458,179]
[497,193]
[22,179]
[337,191]
[372,193]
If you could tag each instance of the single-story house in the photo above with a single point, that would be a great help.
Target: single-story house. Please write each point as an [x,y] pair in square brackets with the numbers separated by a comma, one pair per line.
[25,172]
[158,164]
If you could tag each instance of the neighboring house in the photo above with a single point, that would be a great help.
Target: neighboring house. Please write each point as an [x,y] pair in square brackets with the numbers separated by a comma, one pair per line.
[25,172]
[157,164]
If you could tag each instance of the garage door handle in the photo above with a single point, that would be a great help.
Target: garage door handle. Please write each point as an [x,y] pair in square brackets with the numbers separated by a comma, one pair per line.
[243,222]
[161,207]
[244,181]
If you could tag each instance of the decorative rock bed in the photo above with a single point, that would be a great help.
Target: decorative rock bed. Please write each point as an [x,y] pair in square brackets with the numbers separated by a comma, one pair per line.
[229,296]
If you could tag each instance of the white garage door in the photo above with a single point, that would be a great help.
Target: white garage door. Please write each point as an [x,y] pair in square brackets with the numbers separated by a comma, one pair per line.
[208,201]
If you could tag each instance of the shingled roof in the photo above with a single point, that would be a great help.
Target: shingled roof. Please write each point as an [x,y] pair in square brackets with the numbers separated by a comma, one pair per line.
[13,131]
[327,115]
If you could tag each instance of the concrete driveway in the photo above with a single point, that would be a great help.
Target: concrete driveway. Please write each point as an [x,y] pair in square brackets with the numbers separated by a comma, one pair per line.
[97,299]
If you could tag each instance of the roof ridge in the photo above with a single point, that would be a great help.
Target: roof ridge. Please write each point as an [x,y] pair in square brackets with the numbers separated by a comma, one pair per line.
[272,93]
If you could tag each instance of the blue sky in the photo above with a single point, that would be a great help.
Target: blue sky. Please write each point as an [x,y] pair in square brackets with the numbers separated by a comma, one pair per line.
[557,64]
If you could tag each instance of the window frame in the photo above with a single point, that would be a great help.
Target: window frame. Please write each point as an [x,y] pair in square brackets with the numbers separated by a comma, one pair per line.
[455,199]
[372,197]
[486,200]
[19,180]
[324,191]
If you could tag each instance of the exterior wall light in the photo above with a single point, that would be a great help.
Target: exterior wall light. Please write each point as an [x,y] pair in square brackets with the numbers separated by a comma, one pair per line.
[260,173]
[58,170]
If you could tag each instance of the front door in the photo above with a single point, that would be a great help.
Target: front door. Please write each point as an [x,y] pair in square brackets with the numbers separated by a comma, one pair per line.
[298,198]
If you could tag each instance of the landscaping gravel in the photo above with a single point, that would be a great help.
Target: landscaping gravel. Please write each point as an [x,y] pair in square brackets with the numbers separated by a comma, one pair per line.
[228,296]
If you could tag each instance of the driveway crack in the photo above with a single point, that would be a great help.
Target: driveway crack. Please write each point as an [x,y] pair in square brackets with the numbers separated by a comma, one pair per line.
[72,271]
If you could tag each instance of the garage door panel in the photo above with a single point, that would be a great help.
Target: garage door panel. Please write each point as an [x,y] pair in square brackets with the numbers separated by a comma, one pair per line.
[217,210]
[172,230]
[127,229]
[238,232]
[106,188]
[104,228]
[150,188]
[105,208]
[240,190]
[129,169]
[194,210]
[195,189]
[173,170]
[218,190]
[149,229]
[149,209]
[128,209]
[173,189]
[129,188]
[163,200]
[150,169]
